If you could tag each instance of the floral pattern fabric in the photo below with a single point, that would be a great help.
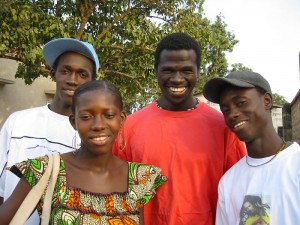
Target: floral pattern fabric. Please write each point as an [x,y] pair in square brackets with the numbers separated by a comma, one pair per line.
[75,206]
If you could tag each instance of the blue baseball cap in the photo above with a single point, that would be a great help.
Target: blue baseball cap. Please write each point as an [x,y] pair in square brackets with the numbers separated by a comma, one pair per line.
[55,48]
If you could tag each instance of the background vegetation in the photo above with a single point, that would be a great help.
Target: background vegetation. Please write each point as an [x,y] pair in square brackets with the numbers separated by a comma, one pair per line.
[123,32]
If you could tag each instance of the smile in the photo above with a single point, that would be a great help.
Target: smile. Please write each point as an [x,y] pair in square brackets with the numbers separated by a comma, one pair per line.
[239,124]
[177,90]
[100,138]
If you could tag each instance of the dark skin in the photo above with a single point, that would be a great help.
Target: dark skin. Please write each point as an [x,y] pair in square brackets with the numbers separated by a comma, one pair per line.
[247,112]
[98,118]
[177,76]
[72,70]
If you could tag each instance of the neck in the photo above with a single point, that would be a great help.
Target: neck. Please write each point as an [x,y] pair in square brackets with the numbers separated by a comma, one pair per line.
[60,108]
[261,148]
[181,106]
[98,163]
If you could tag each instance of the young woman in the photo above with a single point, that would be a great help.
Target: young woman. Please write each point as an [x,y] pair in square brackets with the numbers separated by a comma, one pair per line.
[93,185]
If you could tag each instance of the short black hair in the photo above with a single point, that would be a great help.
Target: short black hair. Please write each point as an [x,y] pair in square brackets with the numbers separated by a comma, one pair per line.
[178,41]
[55,65]
[96,85]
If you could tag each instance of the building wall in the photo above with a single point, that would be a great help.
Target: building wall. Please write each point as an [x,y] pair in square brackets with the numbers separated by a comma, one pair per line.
[17,95]
[295,114]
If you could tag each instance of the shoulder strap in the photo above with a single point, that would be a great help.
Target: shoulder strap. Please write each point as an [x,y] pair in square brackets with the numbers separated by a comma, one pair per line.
[49,192]
[33,197]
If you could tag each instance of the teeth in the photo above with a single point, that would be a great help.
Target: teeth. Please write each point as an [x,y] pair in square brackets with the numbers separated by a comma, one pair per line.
[99,138]
[239,124]
[181,89]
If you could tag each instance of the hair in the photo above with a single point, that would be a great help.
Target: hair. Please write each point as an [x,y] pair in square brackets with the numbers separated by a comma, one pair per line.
[178,41]
[56,62]
[96,85]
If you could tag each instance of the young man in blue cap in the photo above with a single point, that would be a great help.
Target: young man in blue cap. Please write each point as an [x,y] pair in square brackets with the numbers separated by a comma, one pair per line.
[38,131]
[263,187]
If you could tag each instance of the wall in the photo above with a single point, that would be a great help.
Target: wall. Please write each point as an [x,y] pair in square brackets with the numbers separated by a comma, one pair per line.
[295,114]
[16,95]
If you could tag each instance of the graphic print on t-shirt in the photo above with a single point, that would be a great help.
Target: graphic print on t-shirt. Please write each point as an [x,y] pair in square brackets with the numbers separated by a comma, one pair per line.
[255,210]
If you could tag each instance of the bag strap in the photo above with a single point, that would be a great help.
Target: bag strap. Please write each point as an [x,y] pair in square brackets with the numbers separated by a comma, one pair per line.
[49,192]
[33,197]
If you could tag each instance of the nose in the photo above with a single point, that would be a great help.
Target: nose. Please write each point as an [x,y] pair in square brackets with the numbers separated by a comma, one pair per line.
[176,77]
[98,124]
[233,113]
[72,78]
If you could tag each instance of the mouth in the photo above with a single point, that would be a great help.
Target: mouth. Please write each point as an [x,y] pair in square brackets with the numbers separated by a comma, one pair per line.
[69,92]
[177,90]
[101,140]
[239,126]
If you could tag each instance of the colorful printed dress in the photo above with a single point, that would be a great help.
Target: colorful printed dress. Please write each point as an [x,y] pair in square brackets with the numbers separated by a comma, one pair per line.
[76,206]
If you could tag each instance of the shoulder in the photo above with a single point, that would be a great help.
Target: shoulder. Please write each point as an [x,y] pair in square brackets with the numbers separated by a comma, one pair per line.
[210,112]
[143,180]
[233,174]
[142,112]
[22,114]
[139,116]
[31,169]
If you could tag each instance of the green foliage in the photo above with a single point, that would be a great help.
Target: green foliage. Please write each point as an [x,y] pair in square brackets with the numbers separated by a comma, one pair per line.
[279,99]
[239,66]
[124,34]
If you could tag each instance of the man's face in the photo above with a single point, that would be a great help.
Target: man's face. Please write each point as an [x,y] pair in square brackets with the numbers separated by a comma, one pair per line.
[177,76]
[73,69]
[246,112]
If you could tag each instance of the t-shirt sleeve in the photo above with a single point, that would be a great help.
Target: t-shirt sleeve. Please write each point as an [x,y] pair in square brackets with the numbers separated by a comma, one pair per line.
[5,136]
[143,181]
[32,170]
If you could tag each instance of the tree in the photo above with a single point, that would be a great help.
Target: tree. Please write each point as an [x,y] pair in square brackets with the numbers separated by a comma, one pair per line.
[123,32]
[279,99]
[239,66]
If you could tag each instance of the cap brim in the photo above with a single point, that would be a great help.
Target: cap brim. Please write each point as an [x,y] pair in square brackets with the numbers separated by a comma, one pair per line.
[55,48]
[212,89]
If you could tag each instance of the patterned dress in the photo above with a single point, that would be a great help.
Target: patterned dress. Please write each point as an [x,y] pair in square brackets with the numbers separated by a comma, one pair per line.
[75,206]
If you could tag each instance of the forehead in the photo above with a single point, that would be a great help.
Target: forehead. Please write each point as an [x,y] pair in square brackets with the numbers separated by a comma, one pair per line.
[231,93]
[182,55]
[101,97]
[75,59]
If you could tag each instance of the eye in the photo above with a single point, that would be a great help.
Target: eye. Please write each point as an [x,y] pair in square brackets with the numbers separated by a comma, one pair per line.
[83,75]
[110,116]
[85,117]
[65,71]
[224,110]
[241,103]
[188,71]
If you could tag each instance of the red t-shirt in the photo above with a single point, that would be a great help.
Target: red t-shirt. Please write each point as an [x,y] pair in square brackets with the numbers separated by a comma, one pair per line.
[193,149]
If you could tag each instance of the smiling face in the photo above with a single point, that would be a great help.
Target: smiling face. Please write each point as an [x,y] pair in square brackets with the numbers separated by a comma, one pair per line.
[97,118]
[177,76]
[246,111]
[72,70]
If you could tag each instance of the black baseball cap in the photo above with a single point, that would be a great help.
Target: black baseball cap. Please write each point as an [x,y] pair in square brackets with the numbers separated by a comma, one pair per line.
[244,79]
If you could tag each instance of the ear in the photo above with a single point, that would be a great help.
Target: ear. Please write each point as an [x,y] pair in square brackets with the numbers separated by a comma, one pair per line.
[52,74]
[72,121]
[268,101]
[123,118]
